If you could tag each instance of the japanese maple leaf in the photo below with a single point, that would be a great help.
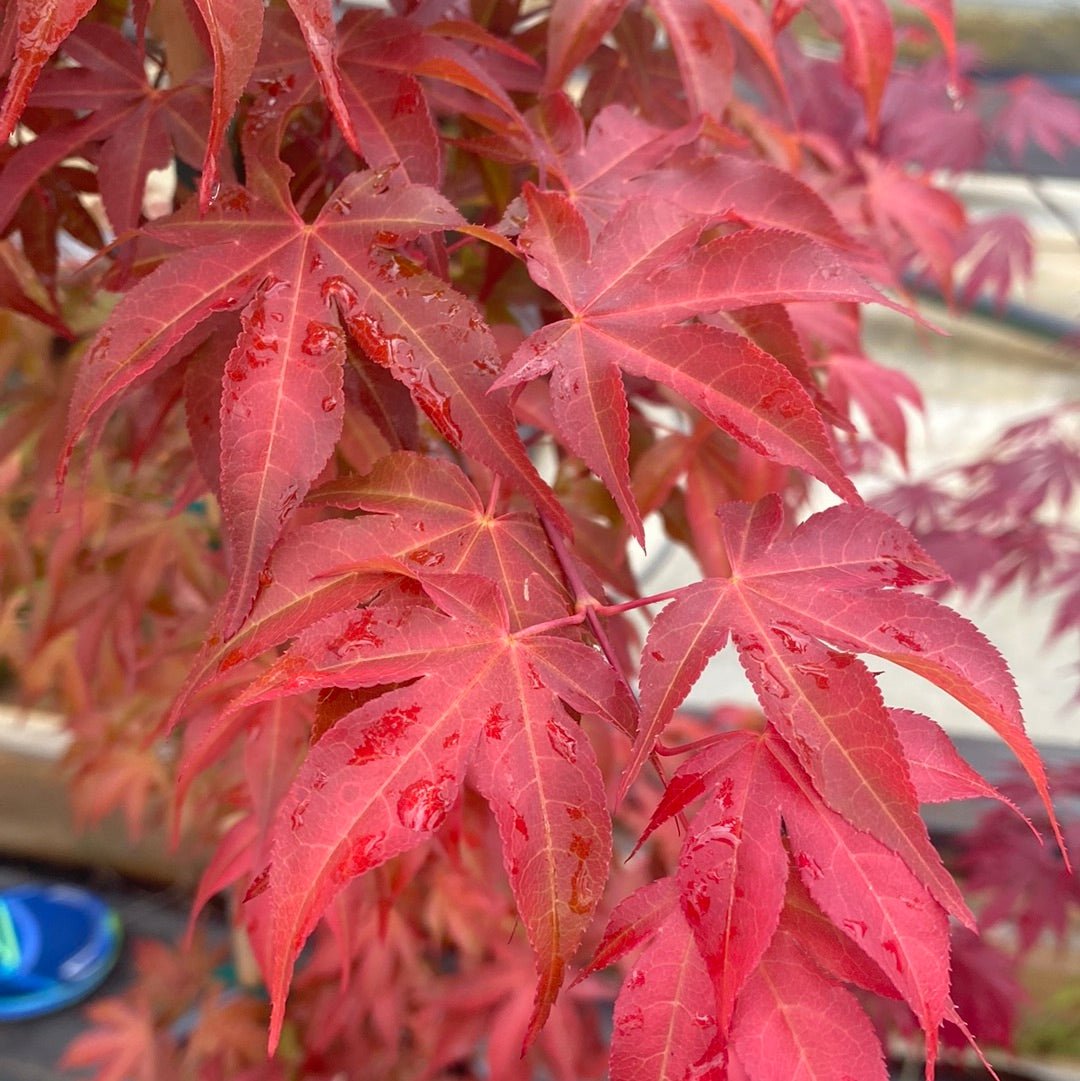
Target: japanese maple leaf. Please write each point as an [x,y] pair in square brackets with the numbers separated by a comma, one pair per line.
[1001,253]
[838,579]
[594,167]
[299,285]
[792,1020]
[380,61]
[699,37]
[133,125]
[122,1043]
[937,771]
[233,32]
[18,289]
[425,516]
[663,1021]
[627,294]
[940,15]
[745,900]
[865,28]
[913,217]
[878,392]
[733,872]
[37,29]
[383,777]
[1035,114]
[621,158]
[1023,880]
[575,29]
[923,126]
[701,42]
[723,187]
[987,988]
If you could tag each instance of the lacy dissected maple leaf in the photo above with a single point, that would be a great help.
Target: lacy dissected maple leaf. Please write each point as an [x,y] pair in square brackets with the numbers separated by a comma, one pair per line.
[299,284]
[482,700]
[122,1043]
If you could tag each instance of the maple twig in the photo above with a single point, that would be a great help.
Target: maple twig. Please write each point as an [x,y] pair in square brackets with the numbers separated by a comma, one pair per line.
[695,745]
[638,602]
[551,625]
[590,605]
[584,600]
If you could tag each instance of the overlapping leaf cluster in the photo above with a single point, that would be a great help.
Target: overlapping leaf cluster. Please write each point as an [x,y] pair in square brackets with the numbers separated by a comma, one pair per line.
[425,346]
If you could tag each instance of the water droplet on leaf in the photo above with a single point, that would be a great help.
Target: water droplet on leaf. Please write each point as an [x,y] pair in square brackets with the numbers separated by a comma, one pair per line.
[320,339]
[364,854]
[422,806]
[426,557]
[356,634]
[495,723]
[336,290]
[296,818]
[258,884]
[561,741]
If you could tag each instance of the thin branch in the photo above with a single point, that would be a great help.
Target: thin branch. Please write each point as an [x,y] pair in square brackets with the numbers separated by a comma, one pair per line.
[583,599]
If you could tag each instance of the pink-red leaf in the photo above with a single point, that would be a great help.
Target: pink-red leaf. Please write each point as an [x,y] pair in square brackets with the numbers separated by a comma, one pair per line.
[937,770]
[940,14]
[871,896]
[1036,114]
[737,386]
[335,272]
[281,414]
[878,392]
[40,27]
[316,19]
[829,581]
[867,35]
[732,872]
[664,1015]
[122,1043]
[703,50]
[575,29]
[728,188]
[235,30]
[375,785]
[545,788]
[749,19]
[792,1022]
[389,772]
[635,919]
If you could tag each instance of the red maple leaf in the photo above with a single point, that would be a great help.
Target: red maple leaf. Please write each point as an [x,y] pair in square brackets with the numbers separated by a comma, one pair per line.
[483,700]
[122,1043]
[627,294]
[839,579]
[130,125]
[301,286]
[424,516]
[748,922]
[1035,114]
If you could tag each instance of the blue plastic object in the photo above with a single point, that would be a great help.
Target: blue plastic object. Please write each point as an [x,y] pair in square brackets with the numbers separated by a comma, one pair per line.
[57,945]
